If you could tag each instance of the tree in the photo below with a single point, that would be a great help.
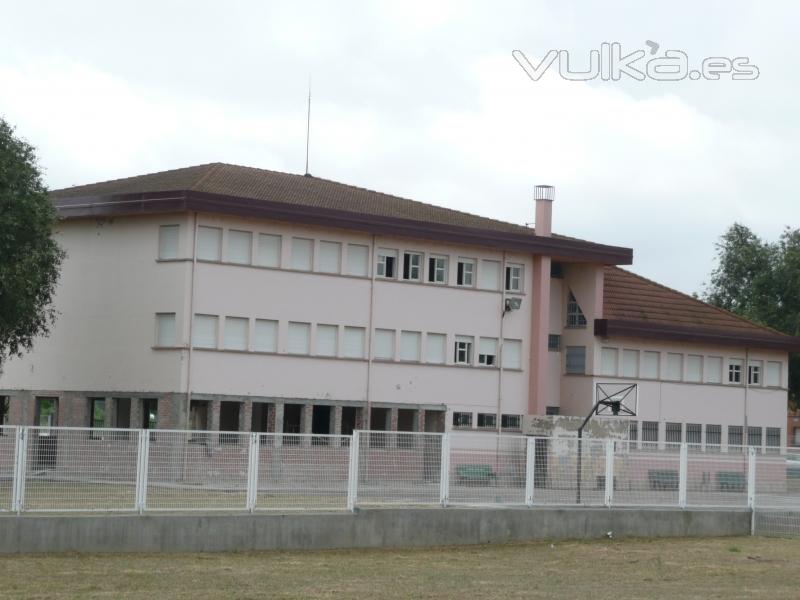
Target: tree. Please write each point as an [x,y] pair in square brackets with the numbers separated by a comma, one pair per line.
[30,258]
[760,281]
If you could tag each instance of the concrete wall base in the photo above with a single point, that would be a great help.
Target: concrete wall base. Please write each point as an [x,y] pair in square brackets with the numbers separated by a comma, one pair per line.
[365,529]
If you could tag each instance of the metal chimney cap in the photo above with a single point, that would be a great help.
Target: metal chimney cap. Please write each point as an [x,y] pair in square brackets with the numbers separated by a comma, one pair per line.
[544,192]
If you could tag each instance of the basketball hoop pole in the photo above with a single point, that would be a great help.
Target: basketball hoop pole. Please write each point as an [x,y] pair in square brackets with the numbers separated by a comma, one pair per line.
[580,443]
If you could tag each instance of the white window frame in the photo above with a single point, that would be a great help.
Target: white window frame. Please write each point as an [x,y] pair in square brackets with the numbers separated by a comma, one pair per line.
[694,359]
[627,371]
[487,359]
[349,335]
[609,359]
[440,345]
[382,266]
[327,328]
[514,277]
[437,269]
[381,337]
[212,343]
[269,250]
[361,268]
[295,245]
[166,339]
[735,368]
[713,369]
[775,368]
[466,275]
[755,373]
[325,246]
[410,340]
[205,233]
[414,270]
[258,331]
[168,241]
[463,346]
[669,375]
[485,281]
[234,237]
[227,341]
[297,326]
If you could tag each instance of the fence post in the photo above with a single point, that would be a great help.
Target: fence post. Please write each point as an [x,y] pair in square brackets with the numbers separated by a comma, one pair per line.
[142,463]
[20,463]
[609,473]
[530,470]
[352,473]
[252,471]
[444,475]
[682,474]
[751,478]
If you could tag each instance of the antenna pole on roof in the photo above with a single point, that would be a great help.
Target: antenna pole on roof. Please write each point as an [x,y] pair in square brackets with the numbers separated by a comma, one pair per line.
[308,122]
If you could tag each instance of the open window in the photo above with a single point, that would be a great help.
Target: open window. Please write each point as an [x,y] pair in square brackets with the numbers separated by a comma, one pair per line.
[412,266]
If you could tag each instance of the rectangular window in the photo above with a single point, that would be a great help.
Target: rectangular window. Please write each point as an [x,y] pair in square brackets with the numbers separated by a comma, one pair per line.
[554,342]
[487,421]
[735,370]
[735,437]
[387,263]
[410,342]
[489,275]
[576,360]
[463,350]
[773,438]
[552,411]
[773,374]
[4,410]
[487,352]
[384,344]
[694,433]
[437,269]
[630,363]
[462,419]
[327,341]
[754,372]
[754,437]
[299,341]
[465,275]
[165,329]
[633,431]
[240,247]
[330,257]
[511,421]
[650,433]
[269,250]
[412,266]
[46,412]
[302,254]
[694,368]
[575,316]
[236,333]
[358,260]
[713,436]
[205,331]
[608,361]
[673,433]
[674,366]
[650,364]
[512,354]
[168,241]
[514,278]
[714,369]
[97,413]
[266,336]
[435,344]
[353,342]
[209,243]
[122,416]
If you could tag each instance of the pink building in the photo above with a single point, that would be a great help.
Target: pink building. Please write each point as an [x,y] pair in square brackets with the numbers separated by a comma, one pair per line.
[230,298]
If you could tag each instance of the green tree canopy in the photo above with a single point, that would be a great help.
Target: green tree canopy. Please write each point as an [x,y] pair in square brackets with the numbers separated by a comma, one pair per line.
[760,281]
[29,256]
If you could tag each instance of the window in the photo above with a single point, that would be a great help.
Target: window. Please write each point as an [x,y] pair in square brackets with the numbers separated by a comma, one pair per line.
[435,348]
[462,419]
[735,436]
[437,269]
[330,257]
[608,361]
[487,352]
[514,278]
[674,366]
[240,247]
[510,421]
[302,254]
[327,342]
[554,342]
[122,416]
[773,438]
[384,344]
[633,431]
[229,421]
[353,342]
[630,363]
[650,364]
[487,421]
[358,260]
[97,413]
[465,275]
[165,329]
[236,333]
[4,410]
[575,316]
[299,338]
[556,270]
[168,241]
[754,372]
[694,433]
[713,435]
[714,369]
[205,331]
[773,374]
[694,368]
[209,243]
[266,336]
[673,433]
[149,413]
[489,275]
[576,360]
[512,354]
[552,411]
[410,345]
[412,266]
[650,432]
[735,371]
[269,250]
[463,350]
[754,436]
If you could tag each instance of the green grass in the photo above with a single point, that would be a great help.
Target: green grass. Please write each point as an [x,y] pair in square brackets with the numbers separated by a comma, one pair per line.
[596,570]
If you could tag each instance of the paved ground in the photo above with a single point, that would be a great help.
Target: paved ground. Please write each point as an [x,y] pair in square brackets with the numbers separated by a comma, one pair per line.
[688,569]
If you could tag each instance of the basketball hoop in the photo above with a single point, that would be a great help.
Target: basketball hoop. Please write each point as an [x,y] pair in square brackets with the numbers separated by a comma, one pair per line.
[616,399]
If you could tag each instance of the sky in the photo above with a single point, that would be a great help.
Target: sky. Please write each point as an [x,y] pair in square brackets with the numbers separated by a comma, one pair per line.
[424,100]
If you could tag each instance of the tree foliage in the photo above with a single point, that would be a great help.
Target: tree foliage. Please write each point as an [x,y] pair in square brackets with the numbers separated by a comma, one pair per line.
[760,281]
[30,258]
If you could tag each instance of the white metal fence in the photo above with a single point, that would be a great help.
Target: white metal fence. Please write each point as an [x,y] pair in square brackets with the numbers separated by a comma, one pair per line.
[75,469]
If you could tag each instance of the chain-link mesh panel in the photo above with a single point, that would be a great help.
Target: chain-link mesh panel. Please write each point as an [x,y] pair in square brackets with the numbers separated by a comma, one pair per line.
[778,480]
[487,468]
[715,478]
[646,475]
[569,471]
[8,438]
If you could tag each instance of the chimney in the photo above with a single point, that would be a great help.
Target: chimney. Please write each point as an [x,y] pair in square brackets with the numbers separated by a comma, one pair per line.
[544,196]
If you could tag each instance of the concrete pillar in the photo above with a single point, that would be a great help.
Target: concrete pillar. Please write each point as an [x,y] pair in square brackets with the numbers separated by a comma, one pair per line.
[540,324]
[110,414]
[214,408]
[136,413]
[246,416]
[306,420]
[278,422]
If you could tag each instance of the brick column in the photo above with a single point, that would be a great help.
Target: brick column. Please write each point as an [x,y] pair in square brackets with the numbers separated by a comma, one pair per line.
[336,424]
[111,411]
[214,407]
[246,416]
[306,422]
[136,413]
[278,422]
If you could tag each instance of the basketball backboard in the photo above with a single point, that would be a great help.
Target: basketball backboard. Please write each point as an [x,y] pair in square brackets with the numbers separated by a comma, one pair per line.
[616,399]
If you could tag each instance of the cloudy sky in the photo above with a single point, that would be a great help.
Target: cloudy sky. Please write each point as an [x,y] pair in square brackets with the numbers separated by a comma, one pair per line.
[424,100]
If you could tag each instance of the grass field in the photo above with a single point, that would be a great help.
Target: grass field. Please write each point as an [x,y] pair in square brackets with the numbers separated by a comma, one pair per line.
[726,568]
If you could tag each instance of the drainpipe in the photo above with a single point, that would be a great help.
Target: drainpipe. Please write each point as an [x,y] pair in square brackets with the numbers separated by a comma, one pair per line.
[368,419]
[191,325]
